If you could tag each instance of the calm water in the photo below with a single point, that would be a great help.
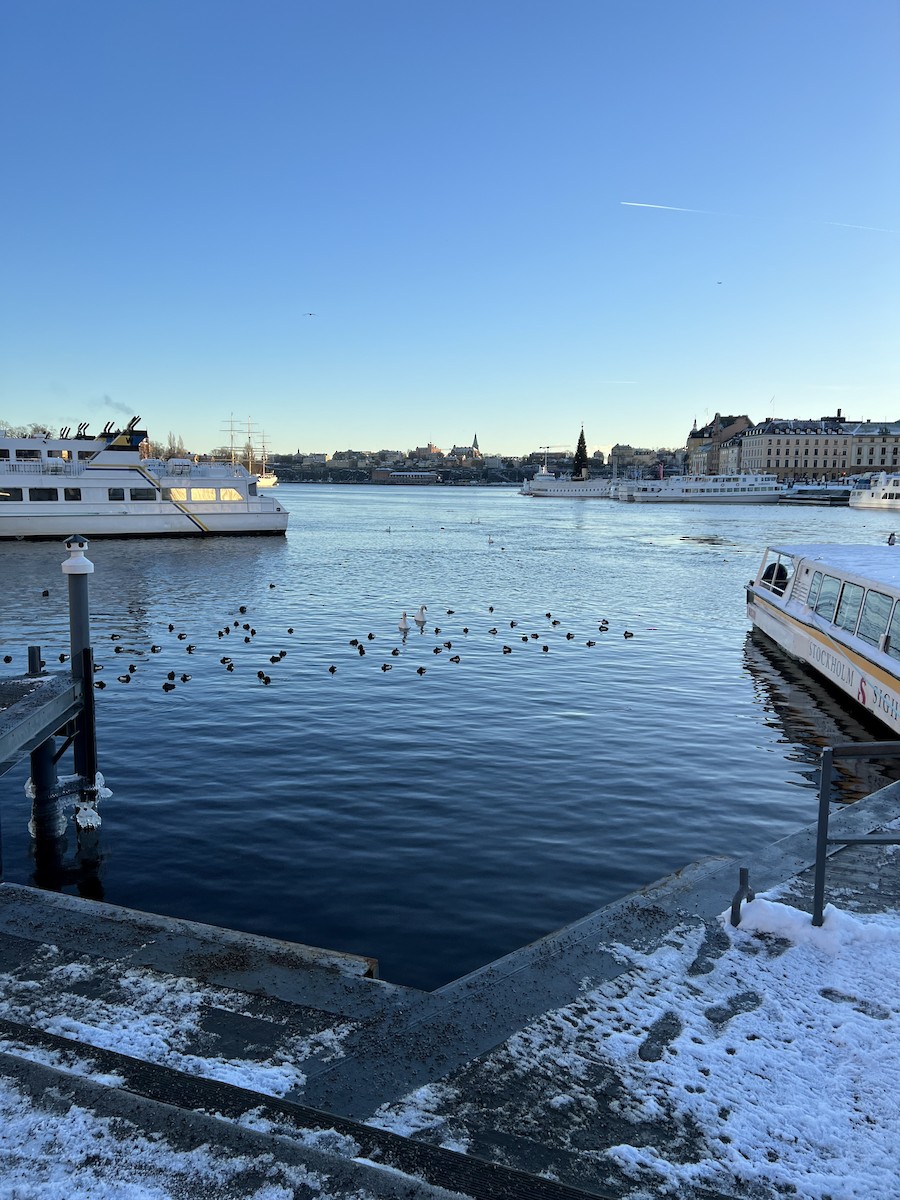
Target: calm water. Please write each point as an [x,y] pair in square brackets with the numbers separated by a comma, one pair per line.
[433,821]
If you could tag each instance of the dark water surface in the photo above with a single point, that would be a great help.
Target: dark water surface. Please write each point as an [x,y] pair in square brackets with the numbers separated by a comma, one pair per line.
[434,821]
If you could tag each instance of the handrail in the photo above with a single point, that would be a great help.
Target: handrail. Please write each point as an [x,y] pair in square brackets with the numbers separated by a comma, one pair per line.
[848,750]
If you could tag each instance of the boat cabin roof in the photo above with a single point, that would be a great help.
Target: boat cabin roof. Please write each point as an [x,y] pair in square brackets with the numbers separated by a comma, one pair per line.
[879,564]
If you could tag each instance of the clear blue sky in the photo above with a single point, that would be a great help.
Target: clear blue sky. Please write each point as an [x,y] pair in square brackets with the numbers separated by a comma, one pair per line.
[452,189]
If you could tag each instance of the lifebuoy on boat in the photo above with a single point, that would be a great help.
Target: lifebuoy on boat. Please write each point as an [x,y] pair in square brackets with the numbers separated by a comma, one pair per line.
[775,576]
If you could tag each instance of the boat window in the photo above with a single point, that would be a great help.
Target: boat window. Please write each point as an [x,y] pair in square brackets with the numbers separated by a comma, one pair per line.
[827,599]
[142,493]
[206,493]
[230,493]
[848,609]
[115,493]
[8,493]
[43,494]
[813,593]
[71,493]
[177,494]
[4,454]
[28,455]
[873,620]
[85,454]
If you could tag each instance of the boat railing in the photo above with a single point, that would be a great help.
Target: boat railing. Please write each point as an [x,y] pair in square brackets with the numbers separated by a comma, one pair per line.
[182,470]
[823,841]
[46,466]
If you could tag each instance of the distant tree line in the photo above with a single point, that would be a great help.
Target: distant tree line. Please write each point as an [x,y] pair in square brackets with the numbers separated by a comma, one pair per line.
[34,430]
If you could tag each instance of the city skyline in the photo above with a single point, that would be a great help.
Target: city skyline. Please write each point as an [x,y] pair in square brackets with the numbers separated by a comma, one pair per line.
[346,222]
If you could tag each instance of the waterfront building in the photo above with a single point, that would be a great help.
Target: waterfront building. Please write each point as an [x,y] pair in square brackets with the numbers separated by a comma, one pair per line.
[806,449]
[704,444]
[414,477]
[875,446]
[730,457]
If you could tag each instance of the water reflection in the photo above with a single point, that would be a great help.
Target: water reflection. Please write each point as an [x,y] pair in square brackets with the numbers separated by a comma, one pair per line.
[54,868]
[812,714]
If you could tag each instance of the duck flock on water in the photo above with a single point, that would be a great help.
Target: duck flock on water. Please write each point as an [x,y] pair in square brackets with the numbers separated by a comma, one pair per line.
[238,632]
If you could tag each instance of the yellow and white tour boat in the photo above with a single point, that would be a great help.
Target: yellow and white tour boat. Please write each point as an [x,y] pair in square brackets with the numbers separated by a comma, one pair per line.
[836,608]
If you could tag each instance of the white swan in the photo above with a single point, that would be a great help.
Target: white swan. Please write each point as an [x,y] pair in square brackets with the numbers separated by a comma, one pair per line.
[419,617]
[404,624]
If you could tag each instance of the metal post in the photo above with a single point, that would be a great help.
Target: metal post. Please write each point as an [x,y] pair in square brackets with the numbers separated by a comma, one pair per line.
[744,892]
[84,749]
[825,772]
[34,660]
[48,821]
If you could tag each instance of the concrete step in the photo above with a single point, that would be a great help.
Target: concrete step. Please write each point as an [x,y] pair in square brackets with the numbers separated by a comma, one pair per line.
[263,1013]
[330,981]
[254,1138]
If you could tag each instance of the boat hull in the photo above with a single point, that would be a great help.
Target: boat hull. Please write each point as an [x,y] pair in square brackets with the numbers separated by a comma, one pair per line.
[659,498]
[32,530]
[870,687]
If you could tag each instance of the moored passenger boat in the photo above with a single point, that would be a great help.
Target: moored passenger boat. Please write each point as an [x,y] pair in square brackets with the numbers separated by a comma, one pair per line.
[822,494]
[709,489]
[837,609]
[103,487]
[545,484]
[879,490]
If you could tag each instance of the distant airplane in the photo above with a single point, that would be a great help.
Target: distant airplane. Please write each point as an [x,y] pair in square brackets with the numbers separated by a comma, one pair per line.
[309,314]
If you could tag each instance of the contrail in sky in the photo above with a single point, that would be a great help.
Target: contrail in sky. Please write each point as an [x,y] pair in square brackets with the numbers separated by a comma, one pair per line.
[871,228]
[667,207]
[706,213]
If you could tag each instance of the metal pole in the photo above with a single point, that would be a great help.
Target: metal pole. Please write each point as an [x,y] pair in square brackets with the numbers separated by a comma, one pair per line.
[78,568]
[34,660]
[825,772]
[48,821]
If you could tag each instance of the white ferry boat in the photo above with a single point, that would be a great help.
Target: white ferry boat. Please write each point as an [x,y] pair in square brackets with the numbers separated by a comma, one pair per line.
[837,609]
[880,490]
[103,487]
[709,489]
[544,483]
